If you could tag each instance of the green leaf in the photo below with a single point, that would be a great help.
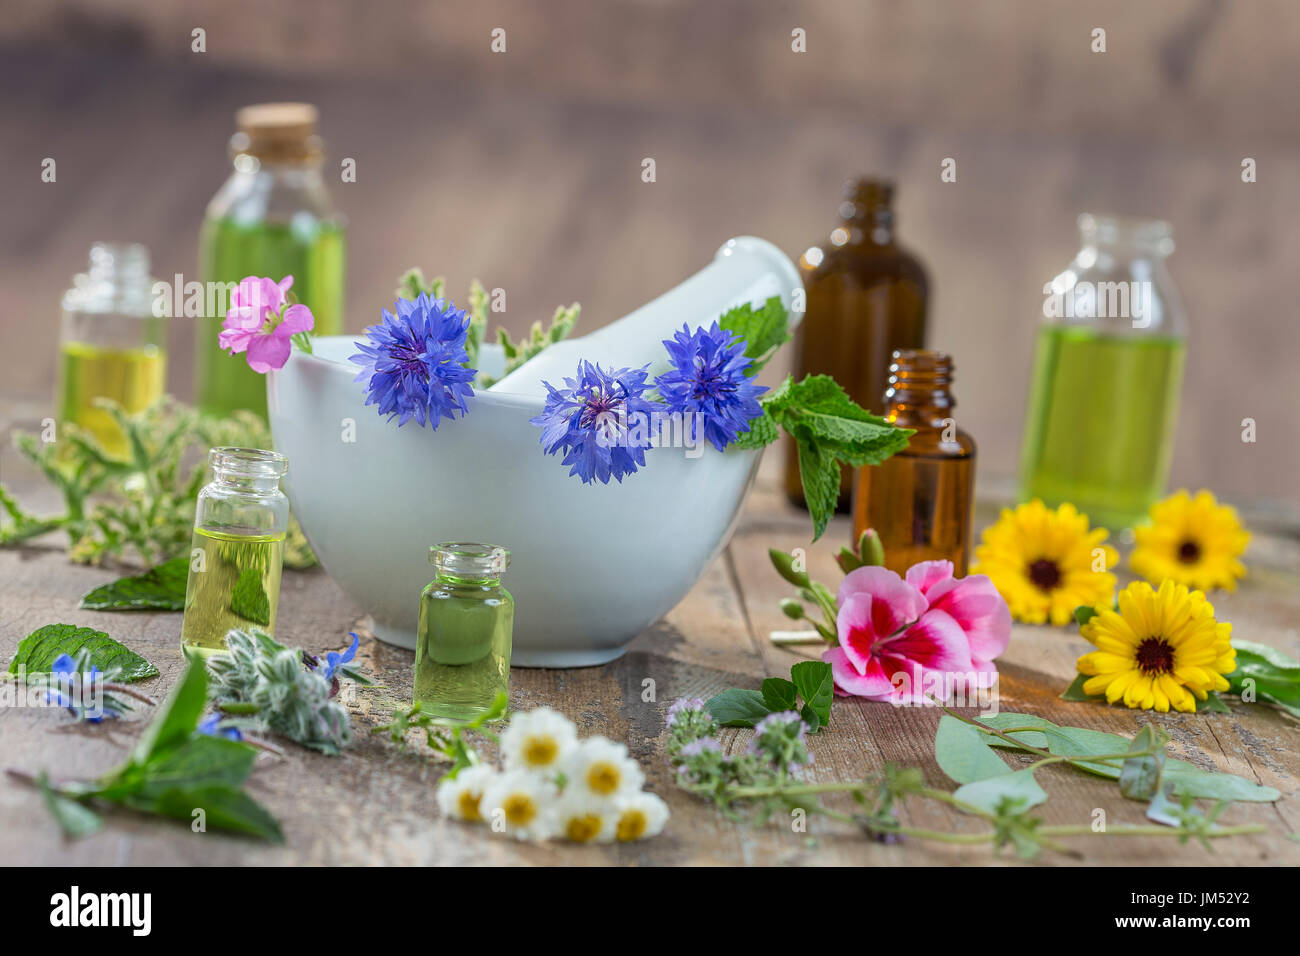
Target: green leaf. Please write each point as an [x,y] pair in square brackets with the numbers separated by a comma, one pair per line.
[820,473]
[176,718]
[1139,776]
[1266,674]
[819,408]
[198,762]
[248,598]
[962,753]
[988,793]
[158,589]
[1189,780]
[764,330]
[763,430]
[778,694]
[1213,704]
[816,685]
[1083,614]
[224,807]
[74,819]
[1075,690]
[37,651]
[738,708]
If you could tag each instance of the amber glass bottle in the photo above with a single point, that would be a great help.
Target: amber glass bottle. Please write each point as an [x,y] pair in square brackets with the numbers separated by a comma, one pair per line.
[866,298]
[919,501]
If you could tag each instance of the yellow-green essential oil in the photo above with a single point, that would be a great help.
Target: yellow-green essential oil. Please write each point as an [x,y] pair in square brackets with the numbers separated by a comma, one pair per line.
[131,377]
[462,654]
[238,549]
[234,582]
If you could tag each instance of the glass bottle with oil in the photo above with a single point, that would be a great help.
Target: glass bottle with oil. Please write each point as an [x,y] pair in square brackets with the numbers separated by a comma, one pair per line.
[920,500]
[272,217]
[867,297]
[1103,402]
[111,344]
[462,651]
[238,549]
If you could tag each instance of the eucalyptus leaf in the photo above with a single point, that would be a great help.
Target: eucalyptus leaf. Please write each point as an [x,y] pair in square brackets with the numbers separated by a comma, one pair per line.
[37,652]
[988,793]
[963,754]
[1139,775]
[158,589]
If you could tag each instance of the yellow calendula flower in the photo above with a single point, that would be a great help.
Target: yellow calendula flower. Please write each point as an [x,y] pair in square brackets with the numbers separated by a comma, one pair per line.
[1158,650]
[1193,541]
[1047,562]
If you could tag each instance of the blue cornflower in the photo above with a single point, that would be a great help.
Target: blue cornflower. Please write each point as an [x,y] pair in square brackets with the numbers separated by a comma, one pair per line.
[211,726]
[600,421]
[708,379]
[414,361]
[334,660]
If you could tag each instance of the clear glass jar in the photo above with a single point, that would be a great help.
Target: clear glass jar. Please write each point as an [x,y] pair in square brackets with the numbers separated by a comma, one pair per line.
[238,548]
[462,651]
[273,217]
[111,345]
[1103,402]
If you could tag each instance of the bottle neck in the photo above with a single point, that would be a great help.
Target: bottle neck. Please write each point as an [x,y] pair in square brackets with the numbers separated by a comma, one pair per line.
[867,212]
[918,393]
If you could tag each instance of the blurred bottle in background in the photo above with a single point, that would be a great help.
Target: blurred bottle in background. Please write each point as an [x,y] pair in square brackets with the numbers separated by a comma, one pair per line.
[111,344]
[273,217]
[920,500]
[867,298]
[1103,402]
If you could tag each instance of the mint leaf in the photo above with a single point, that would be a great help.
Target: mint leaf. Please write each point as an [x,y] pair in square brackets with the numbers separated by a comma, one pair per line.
[821,409]
[176,717]
[820,473]
[763,430]
[764,330]
[248,598]
[38,650]
[816,686]
[158,589]
[738,708]
[778,694]
[224,807]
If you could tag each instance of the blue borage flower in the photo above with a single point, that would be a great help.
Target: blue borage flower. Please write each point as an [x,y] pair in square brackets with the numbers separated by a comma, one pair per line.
[211,726]
[708,383]
[414,362]
[69,691]
[592,422]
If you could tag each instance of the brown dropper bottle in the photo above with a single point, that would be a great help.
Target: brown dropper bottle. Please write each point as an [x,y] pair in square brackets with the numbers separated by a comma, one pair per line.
[919,501]
[866,298]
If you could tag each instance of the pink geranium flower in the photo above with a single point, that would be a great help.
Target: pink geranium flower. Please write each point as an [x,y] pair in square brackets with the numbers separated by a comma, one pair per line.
[258,323]
[930,623]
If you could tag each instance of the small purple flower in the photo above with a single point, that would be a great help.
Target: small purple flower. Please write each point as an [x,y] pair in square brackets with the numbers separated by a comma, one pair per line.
[211,726]
[708,379]
[600,421]
[414,362]
[683,704]
[334,660]
[782,739]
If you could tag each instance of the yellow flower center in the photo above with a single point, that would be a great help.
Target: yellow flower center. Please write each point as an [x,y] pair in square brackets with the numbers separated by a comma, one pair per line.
[540,751]
[1046,574]
[1155,655]
[631,825]
[519,809]
[603,777]
[584,828]
[468,804]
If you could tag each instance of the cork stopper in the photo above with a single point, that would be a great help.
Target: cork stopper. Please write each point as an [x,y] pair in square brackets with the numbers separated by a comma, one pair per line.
[278,132]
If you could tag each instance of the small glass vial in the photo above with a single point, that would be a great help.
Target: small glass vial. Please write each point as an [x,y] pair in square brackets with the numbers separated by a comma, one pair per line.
[111,344]
[919,501]
[462,652]
[1108,373]
[238,548]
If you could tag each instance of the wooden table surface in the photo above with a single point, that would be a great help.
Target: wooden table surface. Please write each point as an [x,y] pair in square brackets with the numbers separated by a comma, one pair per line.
[375,804]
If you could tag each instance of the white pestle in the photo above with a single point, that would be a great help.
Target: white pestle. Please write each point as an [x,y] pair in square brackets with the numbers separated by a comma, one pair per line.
[745,270]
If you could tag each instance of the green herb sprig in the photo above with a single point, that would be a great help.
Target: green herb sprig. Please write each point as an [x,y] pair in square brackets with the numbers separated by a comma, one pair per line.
[446,738]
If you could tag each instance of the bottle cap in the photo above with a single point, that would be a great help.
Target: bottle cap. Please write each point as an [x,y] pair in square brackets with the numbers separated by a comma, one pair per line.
[278,132]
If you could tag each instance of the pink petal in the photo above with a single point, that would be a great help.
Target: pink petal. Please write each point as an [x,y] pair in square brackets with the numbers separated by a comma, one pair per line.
[297,318]
[895,603]
[936,642]
[926,574]
[874,684]
[979,610]
[266,352]
[236,340]
[284,286]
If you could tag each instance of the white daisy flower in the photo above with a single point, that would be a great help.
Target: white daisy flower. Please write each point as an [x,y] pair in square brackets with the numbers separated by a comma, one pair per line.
[639,815]
[539,740]
[600,768]
[584,819]
[459,799]
[521,804]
